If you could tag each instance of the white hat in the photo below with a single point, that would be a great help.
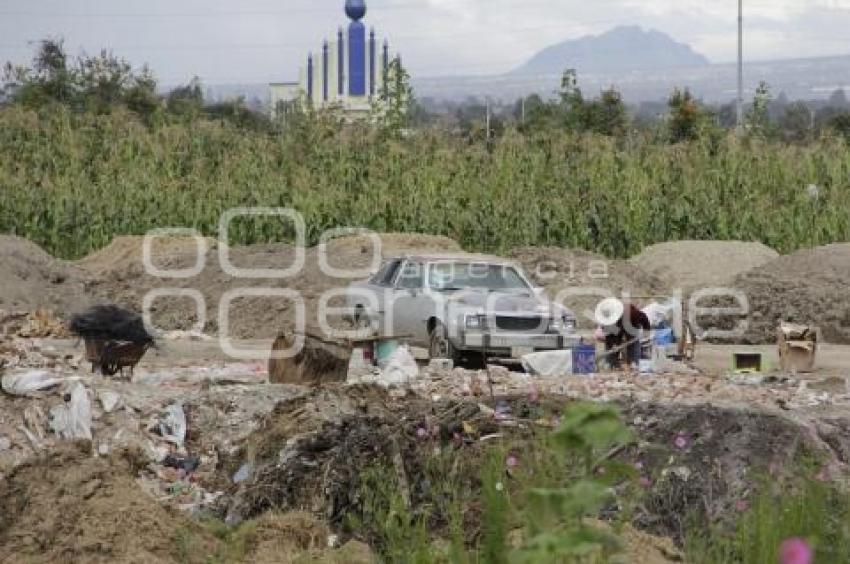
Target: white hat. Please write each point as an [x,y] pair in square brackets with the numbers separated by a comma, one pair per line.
[609,312]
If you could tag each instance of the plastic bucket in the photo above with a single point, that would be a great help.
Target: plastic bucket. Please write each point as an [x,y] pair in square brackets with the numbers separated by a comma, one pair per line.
[663,337]
[584,359]
[384,350]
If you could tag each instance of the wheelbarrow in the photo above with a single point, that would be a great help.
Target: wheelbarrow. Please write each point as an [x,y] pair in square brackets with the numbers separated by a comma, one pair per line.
[112,357]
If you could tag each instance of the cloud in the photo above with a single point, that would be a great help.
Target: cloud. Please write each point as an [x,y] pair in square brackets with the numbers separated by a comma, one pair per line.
[264,40]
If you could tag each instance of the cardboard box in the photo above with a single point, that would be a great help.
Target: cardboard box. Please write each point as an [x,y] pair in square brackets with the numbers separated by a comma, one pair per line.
[798,347]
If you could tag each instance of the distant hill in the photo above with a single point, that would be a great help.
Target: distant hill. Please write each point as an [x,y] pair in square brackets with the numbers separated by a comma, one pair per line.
[622,49]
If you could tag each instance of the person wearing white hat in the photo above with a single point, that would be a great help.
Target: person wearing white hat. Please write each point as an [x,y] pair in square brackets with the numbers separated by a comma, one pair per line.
[621,327]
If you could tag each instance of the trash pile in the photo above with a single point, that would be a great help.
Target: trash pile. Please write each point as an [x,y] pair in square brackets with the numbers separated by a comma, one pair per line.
[39,324]
[680,385]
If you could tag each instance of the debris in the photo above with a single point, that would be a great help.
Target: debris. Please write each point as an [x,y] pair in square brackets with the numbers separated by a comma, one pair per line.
[400,370]
[747,363]
[245,471]
[28,384]
[72,419]
[798,347]
[187,464]
[173,426]
[109,400]
[549,364]
[5,443]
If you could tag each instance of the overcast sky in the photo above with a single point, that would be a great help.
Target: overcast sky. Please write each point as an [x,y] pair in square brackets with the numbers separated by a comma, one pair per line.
[256,41]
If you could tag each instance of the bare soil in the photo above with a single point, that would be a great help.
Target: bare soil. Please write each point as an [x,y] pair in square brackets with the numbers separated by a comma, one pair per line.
[691,265]
[31,279]
[118,275]
[66,506]
[808,287]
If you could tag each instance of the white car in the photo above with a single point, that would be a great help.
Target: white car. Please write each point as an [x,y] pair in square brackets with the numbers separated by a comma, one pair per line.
[461,307]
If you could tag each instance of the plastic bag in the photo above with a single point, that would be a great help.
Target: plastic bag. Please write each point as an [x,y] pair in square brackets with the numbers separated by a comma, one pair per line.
[173,427]
[29,383]
[549,364]
[72,419]
[400,370]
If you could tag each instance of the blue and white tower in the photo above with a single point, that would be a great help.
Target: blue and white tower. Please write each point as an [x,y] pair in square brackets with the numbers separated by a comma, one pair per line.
[346,71]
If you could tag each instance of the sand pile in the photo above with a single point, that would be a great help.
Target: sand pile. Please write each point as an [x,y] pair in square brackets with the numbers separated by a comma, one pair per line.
[583,277]
[119,276]
[809,287]
[691,265]
[30,279]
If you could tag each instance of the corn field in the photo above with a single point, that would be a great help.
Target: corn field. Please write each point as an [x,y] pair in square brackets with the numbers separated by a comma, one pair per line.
[73,182]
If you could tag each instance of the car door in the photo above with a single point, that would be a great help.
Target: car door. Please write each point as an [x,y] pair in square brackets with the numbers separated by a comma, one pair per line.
[373,297]
[411,306]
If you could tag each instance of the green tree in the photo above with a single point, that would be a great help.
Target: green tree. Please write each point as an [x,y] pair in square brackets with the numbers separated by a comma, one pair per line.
[685,116]
[796,122]
[396,98]
[49,80]
[840,123]
[758,116]
[607,115]
[186,101]
[103,81]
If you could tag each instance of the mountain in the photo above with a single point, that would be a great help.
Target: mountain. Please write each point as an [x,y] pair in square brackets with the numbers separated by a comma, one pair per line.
[622,49]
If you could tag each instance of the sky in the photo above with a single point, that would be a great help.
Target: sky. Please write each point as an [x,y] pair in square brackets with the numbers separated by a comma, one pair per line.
[259,41]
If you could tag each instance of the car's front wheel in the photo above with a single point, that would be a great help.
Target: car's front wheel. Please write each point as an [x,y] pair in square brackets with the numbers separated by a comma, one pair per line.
[441,345]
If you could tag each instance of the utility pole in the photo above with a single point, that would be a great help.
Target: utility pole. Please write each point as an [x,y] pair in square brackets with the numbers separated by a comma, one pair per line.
[740,105]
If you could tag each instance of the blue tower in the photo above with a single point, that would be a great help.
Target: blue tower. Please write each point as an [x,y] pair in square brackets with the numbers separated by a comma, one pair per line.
[356,10]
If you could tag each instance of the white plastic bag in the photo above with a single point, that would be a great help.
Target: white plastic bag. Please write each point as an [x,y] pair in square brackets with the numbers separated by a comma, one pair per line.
[29,383]
[401,368]
[173,427]
[549,364]
[72,420]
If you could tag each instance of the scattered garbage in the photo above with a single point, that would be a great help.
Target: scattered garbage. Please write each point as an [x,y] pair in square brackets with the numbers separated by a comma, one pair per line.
[401,368]
[5,443]
[798,347]
[72,419]
[173,427]
[28,384]
[110,401]
[549,363]
[187,464]
[244,473]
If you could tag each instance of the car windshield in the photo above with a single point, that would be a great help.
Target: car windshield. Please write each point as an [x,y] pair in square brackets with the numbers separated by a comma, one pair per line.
[462,276]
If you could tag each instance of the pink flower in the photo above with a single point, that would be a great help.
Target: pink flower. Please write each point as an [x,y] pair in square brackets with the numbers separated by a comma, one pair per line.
[742,505]
[512,461]
[638,465]
[644,482]
[796,551]
[421,432]
[681,442]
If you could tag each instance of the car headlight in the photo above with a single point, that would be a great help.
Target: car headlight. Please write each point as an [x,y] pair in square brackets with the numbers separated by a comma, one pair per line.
[560,324]
[474,322]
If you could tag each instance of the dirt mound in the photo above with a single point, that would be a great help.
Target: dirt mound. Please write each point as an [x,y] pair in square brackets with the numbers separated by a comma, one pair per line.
[700,461]
[582,276]
[66,506]
[808,287]
[691,265]
[119,276]
[31,279]
[126,253]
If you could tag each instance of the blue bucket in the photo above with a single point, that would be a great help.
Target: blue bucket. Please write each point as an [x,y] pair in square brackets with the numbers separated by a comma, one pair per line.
[664,337]
[584,359]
